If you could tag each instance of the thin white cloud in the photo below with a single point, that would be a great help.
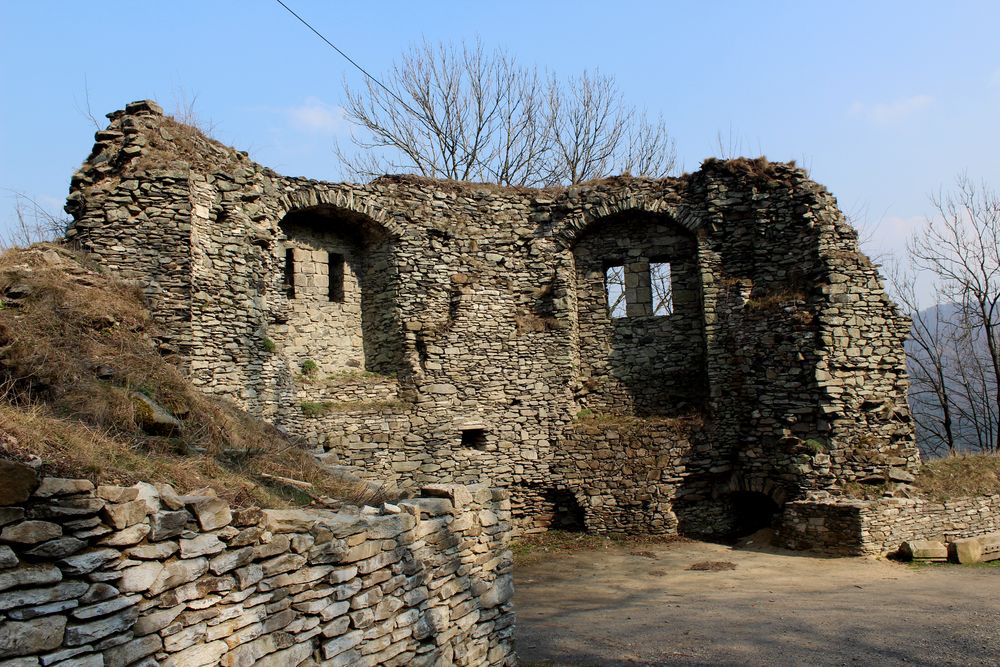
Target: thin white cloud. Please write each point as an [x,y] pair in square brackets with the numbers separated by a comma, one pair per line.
[888,113]
[315,116]
[994,81]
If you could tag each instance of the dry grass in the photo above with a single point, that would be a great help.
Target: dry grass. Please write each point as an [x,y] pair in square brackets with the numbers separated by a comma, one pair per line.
[959,476]
[772,301]
[178,144]
[76,347]
[712,566]
[540,546]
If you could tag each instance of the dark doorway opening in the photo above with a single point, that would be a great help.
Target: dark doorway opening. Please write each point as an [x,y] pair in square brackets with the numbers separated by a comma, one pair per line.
[565,511]
[752,511]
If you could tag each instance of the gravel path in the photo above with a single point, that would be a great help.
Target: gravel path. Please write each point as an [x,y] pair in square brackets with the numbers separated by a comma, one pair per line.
[641,605]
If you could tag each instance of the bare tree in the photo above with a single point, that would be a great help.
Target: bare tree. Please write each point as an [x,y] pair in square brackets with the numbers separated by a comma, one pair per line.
[928,358]
[32,224]
[960,248]
[465,113]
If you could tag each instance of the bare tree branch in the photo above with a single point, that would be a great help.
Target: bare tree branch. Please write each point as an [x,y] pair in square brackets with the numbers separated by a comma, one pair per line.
[465,113]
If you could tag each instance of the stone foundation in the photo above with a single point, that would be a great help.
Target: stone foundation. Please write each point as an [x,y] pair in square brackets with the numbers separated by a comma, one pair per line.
[873,528]
[140,576]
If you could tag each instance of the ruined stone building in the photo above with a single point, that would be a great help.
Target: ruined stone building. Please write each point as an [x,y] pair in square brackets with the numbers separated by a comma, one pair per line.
[685,354]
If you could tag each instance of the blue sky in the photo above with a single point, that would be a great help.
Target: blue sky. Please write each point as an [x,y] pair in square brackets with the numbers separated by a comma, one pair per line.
[884,102]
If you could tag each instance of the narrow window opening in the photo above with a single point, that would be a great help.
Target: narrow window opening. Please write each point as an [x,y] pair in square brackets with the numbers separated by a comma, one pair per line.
[289,278]
[662,288]
[614,287]
[336,271]
[474,438]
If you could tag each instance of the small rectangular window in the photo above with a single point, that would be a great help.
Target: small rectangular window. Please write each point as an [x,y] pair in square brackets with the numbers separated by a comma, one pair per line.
[614,287]
[289,278]
[336,270]
[660,284]
[474,438]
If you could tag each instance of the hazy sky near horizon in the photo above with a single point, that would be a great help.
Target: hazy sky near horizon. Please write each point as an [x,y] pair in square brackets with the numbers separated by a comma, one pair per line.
[884,102]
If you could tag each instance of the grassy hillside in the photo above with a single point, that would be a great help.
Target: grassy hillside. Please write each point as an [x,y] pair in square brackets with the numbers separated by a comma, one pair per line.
[86,388]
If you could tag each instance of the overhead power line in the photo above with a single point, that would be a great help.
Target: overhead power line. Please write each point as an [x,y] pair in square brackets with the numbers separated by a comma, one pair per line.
[346,57]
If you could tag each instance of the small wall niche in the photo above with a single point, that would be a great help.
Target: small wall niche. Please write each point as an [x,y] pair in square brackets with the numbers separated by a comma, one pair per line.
[289,273]
[335,266]
[474,438]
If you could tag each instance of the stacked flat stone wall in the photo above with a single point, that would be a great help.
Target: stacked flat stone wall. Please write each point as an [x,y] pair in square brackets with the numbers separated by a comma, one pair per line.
[476,317]
[119,576]
[844,527]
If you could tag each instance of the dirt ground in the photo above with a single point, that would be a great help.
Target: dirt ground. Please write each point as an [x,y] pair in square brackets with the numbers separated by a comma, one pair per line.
[614,604]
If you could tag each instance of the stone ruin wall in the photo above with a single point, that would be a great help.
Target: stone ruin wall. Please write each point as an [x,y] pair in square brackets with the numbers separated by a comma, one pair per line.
[484,352]
[140,576]
[879,527]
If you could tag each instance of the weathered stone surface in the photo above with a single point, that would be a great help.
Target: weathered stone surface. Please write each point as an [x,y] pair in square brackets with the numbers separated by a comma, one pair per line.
[501,591]
[104,608]
[38,596]
[152,417]
[30,575]
[201,545]
[7,557]
[168,524]
[30,532]
[85,633]
[20,481]
[230,560]
[57,548]
[87,561]
[97,592]
[967,551]
[929,550]
[123,515]
[288,521]
[157,619]
[117,494]
[199,655]
[53,486]
[139,578]
[156,551]
[211,513]
[131,535]
[10,515]
[177,573]
[35,636]
[130,652]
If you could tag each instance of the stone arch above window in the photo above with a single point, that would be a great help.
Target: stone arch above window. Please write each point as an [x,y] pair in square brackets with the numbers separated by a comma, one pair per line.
[639,315]
[338,272]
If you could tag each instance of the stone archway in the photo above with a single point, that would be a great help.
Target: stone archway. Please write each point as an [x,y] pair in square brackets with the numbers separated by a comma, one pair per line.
[339,278]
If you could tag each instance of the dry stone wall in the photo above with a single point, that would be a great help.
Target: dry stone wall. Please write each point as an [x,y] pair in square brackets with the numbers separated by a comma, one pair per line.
[140,576]
[484,339]
[874,528]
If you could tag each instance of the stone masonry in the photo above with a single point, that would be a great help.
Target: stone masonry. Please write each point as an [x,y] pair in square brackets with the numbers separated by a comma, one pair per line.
[437,332]
[141,576]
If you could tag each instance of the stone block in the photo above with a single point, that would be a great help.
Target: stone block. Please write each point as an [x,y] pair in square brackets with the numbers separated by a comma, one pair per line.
[924,550]
[34,636]
[19,482]
[168,524]
[966,551]
[123,515]
[55,486]
[177,573]
[30,532]
[30,575]
[211,513]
